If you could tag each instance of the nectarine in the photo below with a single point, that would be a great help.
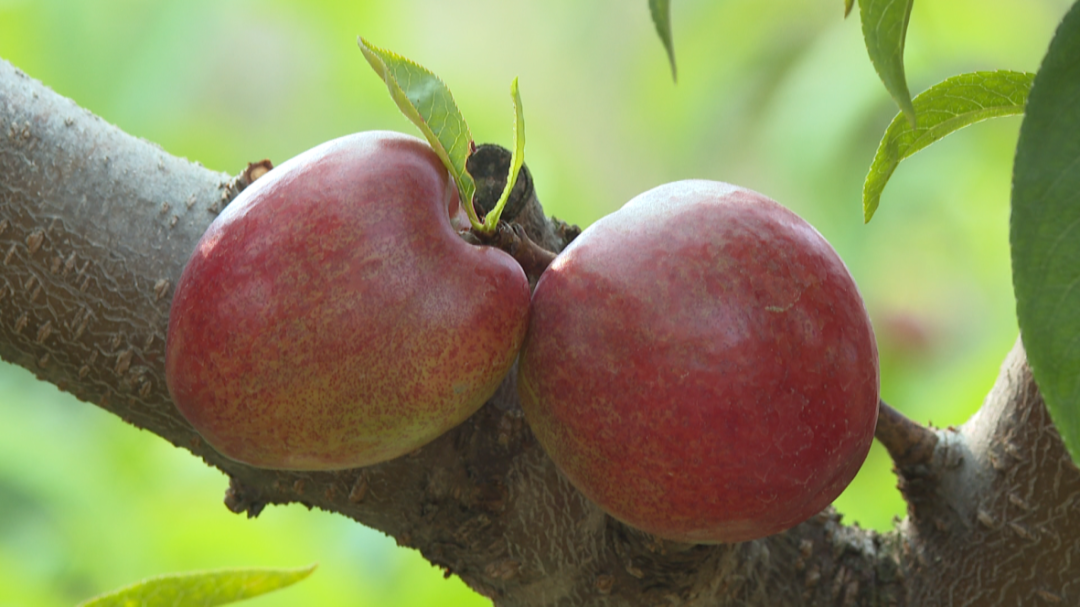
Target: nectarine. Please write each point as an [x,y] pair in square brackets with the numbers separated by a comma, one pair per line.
[700,364]
[332,316]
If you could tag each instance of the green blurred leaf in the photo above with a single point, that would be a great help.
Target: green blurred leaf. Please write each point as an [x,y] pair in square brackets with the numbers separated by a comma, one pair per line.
[884,26]
[946,107]
[1045,230]
[661,16]
[517,158]
[427,102]
[848,4]
[201,589]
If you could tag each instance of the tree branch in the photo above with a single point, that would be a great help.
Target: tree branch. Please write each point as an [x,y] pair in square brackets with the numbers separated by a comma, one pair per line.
[994,516]
[96,225]
[909,443]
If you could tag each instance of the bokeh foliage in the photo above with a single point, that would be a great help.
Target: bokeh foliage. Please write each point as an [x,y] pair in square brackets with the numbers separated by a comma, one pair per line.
[775,95]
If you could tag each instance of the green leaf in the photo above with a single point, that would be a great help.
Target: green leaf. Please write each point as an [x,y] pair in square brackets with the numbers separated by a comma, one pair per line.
[517,157]
[946,107]
[661,16]
[1045,230]
[427,102]
[848,4]
[201,589]
[884,26]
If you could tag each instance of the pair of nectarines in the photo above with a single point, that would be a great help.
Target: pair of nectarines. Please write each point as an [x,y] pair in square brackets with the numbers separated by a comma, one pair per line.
[699,363]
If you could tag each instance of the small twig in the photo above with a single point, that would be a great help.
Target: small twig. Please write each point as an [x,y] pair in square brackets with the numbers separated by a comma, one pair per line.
[233,188]
[908,442]
[513,239]
[255,170]
[241,498]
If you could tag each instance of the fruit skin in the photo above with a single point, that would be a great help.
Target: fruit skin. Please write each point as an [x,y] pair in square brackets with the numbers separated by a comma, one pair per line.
[700,364]
[331,317]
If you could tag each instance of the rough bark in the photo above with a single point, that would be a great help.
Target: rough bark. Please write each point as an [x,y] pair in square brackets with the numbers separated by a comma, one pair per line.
[95,227]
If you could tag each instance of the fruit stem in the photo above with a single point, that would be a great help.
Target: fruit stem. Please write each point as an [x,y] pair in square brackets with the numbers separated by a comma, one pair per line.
[908,443]
[512,238]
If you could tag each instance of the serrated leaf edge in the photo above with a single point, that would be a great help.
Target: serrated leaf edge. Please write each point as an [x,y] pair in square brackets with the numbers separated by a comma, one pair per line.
[661,16]
[899,91]
[465,182]
[884,163]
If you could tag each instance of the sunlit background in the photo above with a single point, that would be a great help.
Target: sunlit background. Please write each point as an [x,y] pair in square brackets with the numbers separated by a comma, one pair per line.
[775,95]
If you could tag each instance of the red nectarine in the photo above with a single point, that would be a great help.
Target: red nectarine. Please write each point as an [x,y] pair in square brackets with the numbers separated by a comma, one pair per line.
[701,365]
[332,316]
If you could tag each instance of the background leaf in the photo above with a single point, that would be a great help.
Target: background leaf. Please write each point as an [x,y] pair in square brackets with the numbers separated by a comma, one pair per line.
[661,16]
[201,589]
[848,4]
[884,26]
[428,104]
[946,107]
[1045,229]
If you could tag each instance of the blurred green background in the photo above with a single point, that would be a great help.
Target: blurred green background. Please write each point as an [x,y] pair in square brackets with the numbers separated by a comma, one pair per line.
[775,95]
